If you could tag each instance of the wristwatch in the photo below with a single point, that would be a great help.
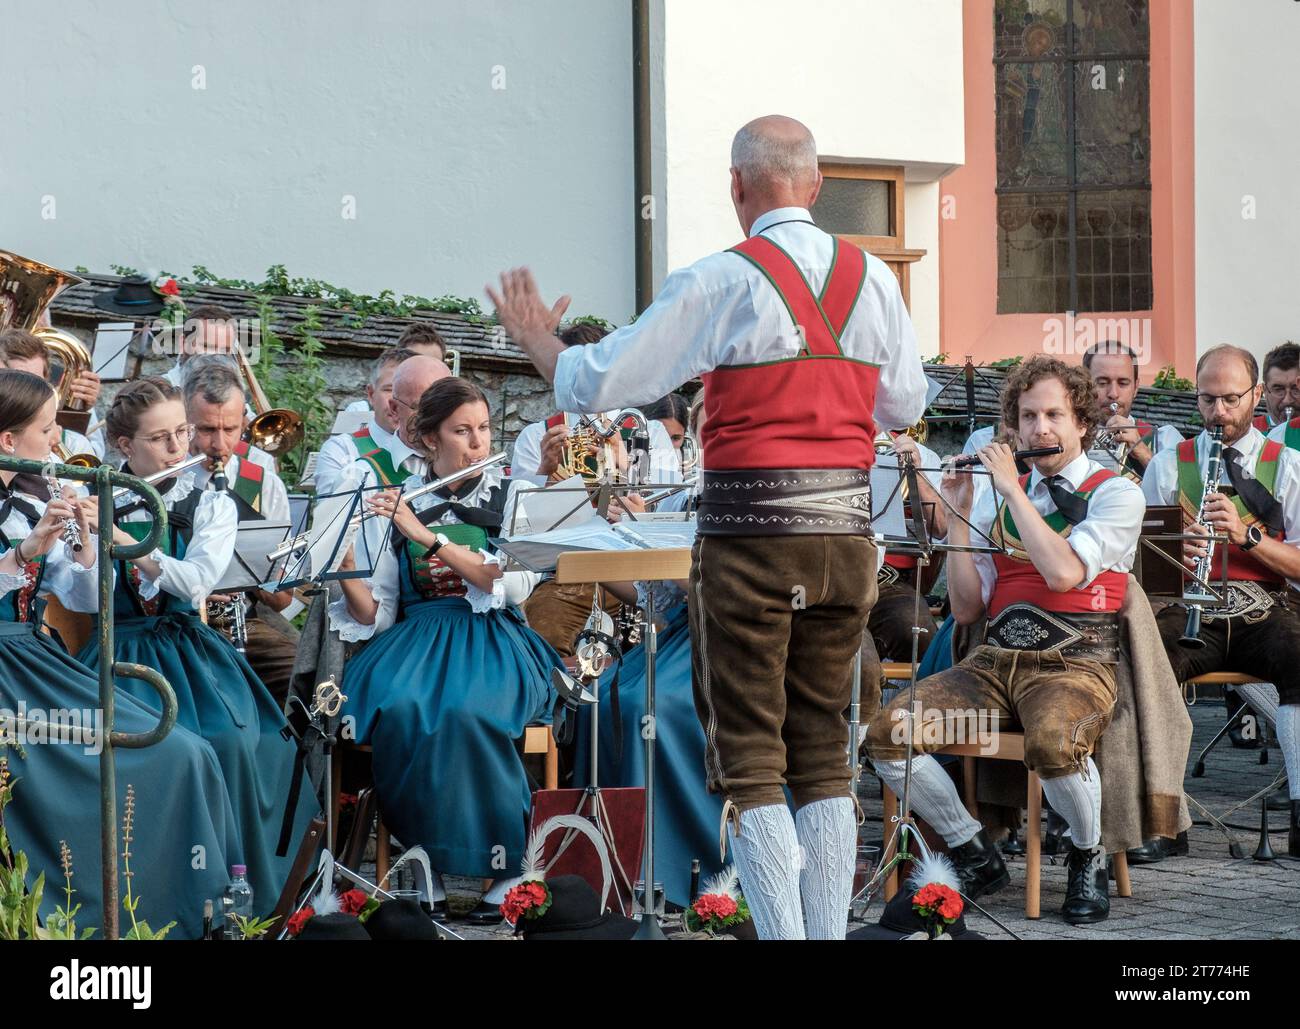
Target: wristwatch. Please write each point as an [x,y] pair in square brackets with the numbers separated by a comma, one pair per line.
[1253,536]
[439,541]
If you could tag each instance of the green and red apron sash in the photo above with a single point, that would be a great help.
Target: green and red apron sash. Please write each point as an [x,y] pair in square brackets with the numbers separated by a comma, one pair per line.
[369,451]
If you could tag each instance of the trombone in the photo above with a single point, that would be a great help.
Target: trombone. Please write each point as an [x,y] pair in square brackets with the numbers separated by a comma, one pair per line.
[277,430]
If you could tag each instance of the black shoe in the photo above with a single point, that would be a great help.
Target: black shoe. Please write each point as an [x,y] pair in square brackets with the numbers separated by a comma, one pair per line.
[1157,849]
[1013,845]
[1087,897]
[1278,801]
[979,866]
[485,914]
[1244,734]
[1053,841]
[1293,832]
[438,911]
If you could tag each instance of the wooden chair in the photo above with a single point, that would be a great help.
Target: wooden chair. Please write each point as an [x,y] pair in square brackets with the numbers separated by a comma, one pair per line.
[1010,747]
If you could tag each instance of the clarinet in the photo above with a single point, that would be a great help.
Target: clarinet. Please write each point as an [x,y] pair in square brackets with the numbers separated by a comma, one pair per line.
[1197,594]
[71,530]
[232,612]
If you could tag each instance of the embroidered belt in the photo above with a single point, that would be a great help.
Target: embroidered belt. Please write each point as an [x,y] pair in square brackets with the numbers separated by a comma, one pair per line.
[785,502]
[1250,600]
[1087,635]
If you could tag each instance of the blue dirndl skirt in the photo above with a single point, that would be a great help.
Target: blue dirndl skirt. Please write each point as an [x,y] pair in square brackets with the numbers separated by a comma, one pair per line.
[687,816]
[184,831]
[442,697]
[221,699]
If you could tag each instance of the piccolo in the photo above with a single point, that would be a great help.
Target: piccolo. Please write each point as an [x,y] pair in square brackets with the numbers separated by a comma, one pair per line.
[966,460]
[303,540]
[161,474]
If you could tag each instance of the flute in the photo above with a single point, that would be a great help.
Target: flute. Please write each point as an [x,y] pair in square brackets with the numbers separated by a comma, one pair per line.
[161,474]
[966,460]
[71,530]
[301,541]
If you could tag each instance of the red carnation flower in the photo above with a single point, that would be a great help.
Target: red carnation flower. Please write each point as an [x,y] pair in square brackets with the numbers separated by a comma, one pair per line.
[715,905]
[170,288]
[300,919]
[353,901]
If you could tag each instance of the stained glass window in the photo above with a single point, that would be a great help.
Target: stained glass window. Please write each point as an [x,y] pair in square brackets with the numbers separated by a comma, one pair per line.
[1073,132]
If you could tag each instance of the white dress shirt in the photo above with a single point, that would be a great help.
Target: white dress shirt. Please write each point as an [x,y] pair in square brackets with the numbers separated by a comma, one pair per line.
[385,580]
[338,452]
[1278,432]
[723,311]
[1160,484]
[1106,540]
[75,586]
[665,464]
[981,437]
[1166,437]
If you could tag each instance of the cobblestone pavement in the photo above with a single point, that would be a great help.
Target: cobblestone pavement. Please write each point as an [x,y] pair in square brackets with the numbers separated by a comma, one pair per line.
[1206,895]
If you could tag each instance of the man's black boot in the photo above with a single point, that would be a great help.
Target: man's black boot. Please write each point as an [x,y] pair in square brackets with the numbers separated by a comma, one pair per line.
[1293,833]
[1087,896]
[979,866]
[1157,849]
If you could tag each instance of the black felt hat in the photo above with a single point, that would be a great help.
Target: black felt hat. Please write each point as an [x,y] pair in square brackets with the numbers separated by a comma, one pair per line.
[575,914]
[337,926]
[900,921]
[134,297]
[400,920]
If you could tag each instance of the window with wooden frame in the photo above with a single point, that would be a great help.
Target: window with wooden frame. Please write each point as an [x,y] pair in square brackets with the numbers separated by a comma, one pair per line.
[863,204]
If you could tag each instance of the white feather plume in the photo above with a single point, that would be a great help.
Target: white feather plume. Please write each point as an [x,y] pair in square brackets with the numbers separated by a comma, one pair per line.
[725,882]
[933,868]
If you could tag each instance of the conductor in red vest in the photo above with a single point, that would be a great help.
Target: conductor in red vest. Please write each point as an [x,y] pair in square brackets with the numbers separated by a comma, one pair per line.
[1068,532]
[806,349]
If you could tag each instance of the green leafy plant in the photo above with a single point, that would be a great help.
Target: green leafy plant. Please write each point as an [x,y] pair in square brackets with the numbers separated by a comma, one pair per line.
[592,319]
[62,925]
[251,927]
[938,359]
[1007,362]
[123,270]
[140,929]
[1166,378]
[18,903]
[295,379]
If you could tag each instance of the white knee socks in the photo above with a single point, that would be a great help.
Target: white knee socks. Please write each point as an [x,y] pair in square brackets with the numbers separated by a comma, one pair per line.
[1077,798]
[768,860]
[828,834]
[933,796]
[1288,739]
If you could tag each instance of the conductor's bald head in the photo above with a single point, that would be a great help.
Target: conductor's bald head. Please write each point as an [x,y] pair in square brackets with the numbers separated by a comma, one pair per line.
[773,164]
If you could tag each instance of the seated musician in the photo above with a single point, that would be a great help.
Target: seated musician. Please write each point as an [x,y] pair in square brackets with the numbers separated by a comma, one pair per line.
[1114,371]
[1048,663]
[1281,387]
[377,439]
[673,413]
[557,612]
[451,677]
[25,352]
[219,695]
[1258,507]
[214,405]
[417,338]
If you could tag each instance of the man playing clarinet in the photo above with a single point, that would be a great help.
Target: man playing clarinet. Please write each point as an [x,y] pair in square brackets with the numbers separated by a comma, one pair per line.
[804,345]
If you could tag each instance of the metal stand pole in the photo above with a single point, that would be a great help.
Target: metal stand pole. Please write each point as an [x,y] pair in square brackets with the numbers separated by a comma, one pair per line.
[649,928]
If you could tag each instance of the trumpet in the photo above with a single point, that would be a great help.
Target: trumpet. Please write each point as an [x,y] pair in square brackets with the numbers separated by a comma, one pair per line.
[75,460]
[1197,593]
[303,540]
[71,530]
[1106,441]
[160,475]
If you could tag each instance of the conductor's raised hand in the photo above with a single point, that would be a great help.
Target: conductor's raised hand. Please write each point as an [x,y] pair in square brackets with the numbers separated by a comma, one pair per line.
[522,311]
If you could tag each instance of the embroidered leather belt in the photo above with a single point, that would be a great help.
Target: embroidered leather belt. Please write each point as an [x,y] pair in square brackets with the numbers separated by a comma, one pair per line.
[890,574]
[1252,601]
[785,502]
[1026,627]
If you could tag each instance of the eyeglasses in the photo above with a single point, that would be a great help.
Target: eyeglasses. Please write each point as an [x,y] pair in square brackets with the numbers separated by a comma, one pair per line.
[1280,392]
[1230,400]
[182,436]
[403,402]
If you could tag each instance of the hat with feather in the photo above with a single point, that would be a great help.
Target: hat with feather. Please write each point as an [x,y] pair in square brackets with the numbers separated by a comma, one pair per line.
[930,908]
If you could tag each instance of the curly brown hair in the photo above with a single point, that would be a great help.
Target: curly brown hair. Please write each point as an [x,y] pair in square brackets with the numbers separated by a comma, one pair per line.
[1078,386]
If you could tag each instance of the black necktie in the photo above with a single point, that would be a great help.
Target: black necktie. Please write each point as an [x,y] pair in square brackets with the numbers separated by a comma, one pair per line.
[1072,506]
[485,517]
[1254,494]
[9,502]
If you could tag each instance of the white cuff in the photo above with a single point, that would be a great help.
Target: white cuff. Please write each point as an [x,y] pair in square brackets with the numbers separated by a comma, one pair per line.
[149,588]
[348,628]
[10,582]
[481,602]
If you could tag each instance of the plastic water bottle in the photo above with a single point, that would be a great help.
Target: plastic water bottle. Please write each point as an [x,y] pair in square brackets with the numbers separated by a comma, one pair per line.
[238,900]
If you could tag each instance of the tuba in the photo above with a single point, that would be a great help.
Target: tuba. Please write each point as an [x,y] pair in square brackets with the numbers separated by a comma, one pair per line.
[277,430]
[27,288]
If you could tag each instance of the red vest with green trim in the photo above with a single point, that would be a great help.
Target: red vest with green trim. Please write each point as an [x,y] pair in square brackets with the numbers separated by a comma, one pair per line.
[813,410]
[369,451]
[1019,582]
[249,479]
[1262,423]
[1191,486]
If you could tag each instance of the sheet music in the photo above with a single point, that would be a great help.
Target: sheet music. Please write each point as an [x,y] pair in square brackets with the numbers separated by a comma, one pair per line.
[560,504]
[250,566]
[111,349]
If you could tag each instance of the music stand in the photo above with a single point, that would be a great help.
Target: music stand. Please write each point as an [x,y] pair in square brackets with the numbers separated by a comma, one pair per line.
[314,557]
